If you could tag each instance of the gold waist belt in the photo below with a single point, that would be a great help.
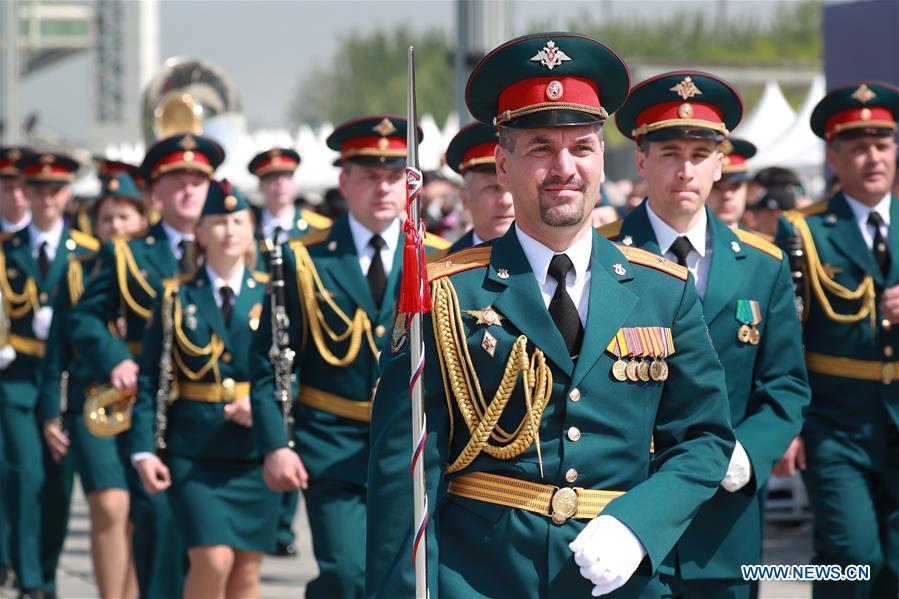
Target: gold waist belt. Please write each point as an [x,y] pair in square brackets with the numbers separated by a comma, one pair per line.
[27,345]
[334,404]
[546,500]
[229,390]
[865,370]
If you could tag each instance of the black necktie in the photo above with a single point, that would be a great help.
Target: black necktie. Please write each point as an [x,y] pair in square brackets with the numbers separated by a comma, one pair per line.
[881,249]
[377,278]
[680,248]
[276,235]
[561,306]
[43,259]
[227,302]
[188,262]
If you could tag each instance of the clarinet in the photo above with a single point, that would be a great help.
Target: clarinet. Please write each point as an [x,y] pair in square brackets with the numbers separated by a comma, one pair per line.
[281,354]
[166,371]
[796,256]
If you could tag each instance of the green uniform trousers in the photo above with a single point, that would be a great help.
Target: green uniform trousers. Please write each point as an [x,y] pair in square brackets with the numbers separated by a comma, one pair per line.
[856,512]
[288,509]
[336,512]
[38,492]
[677,588]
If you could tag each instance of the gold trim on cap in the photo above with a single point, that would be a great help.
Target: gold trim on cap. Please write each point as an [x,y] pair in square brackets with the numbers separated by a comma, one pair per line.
[508,115]
[840,127]
[650,127]
[372,152]
[477,161]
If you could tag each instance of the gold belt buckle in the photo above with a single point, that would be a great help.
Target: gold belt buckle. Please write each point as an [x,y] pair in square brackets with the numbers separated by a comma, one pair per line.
[888,372]
[228,390]
[564,504]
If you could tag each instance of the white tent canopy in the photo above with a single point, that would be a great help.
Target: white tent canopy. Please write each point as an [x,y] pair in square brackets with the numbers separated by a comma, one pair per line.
[770,117]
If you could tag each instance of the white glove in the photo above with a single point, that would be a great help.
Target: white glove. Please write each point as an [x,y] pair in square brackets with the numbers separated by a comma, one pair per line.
[607,553]
[41,323]
[7,356]
[739,471]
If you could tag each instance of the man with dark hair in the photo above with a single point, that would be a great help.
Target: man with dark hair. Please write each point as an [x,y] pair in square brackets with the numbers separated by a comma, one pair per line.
[850,441]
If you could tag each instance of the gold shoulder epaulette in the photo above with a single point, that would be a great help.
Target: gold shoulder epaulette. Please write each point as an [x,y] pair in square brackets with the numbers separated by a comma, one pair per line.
[759,243]
[319,221]
[647,258]
[476,257]
[436,242]
[85,240]
[129,236]
[179,280]
[810,210]
[84,257]
[611,230]
[261,277]
[313,238]
[437,255]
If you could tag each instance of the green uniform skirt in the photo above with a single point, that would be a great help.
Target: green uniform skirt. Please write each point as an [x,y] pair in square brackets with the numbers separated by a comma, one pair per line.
[218,502]
[96,459]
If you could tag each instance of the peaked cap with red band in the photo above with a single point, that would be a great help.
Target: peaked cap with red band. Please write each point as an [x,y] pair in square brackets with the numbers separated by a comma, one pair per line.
[9,159]
[48,167]
[737,153]
[183,152]
[547,80]
[110,168]
[870,108]
[678,105]
[472,149]
[276,160]
[378,140]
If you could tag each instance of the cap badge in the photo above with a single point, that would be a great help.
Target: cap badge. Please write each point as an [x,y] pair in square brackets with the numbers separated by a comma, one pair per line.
[47,159]
[554,90]
[113,185]
[685,110]
[383,144]
[863,94]
[230,203]
[14,154]
[550,56]
[686,89]
[188,156]
[188,143]
[866,114]
[274,153]
[384,128]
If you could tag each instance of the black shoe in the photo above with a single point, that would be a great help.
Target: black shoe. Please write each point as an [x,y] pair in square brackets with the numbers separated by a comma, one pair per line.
[31,594]
[284,550]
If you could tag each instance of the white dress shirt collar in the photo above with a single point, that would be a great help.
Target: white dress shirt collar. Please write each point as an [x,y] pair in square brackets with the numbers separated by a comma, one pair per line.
[9,227]
[362,235]
[175,236]
[861,211]
[270,221]
[666,235]
[217,282]
[475,240]
[52,237]
[539,256]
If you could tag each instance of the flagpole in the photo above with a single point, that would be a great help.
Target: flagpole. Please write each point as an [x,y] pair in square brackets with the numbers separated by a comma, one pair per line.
[416,345]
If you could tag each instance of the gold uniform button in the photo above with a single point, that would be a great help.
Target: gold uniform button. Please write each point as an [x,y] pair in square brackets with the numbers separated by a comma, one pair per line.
[885,324]
[575,394]
[226,358]
[574,433]
[571,475]
[888,351]
[380,330]
[43,297]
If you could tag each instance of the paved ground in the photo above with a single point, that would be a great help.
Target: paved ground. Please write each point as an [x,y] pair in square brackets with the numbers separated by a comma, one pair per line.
[286,578]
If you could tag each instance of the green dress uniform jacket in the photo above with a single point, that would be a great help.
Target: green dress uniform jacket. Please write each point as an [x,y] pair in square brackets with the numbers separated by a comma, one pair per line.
[41,486]
[850,430]
[595,432]
[767,385]
[466,241]
[124,288]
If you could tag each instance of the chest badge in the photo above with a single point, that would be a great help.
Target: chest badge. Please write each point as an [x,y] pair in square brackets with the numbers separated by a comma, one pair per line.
[488,316]
[749,314]
[488,343]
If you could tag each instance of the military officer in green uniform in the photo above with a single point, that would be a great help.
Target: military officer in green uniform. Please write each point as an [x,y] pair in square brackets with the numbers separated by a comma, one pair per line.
[341,290]
[850,442]
[198,342]
[471,154]
[117,211]
[127,284]
[34,259]
[14,215]
[554,360]
[680,120]
[727,200]
[277,221]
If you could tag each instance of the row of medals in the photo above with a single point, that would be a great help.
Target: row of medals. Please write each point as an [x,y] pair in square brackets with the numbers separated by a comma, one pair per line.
[640,370]
[748,334]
